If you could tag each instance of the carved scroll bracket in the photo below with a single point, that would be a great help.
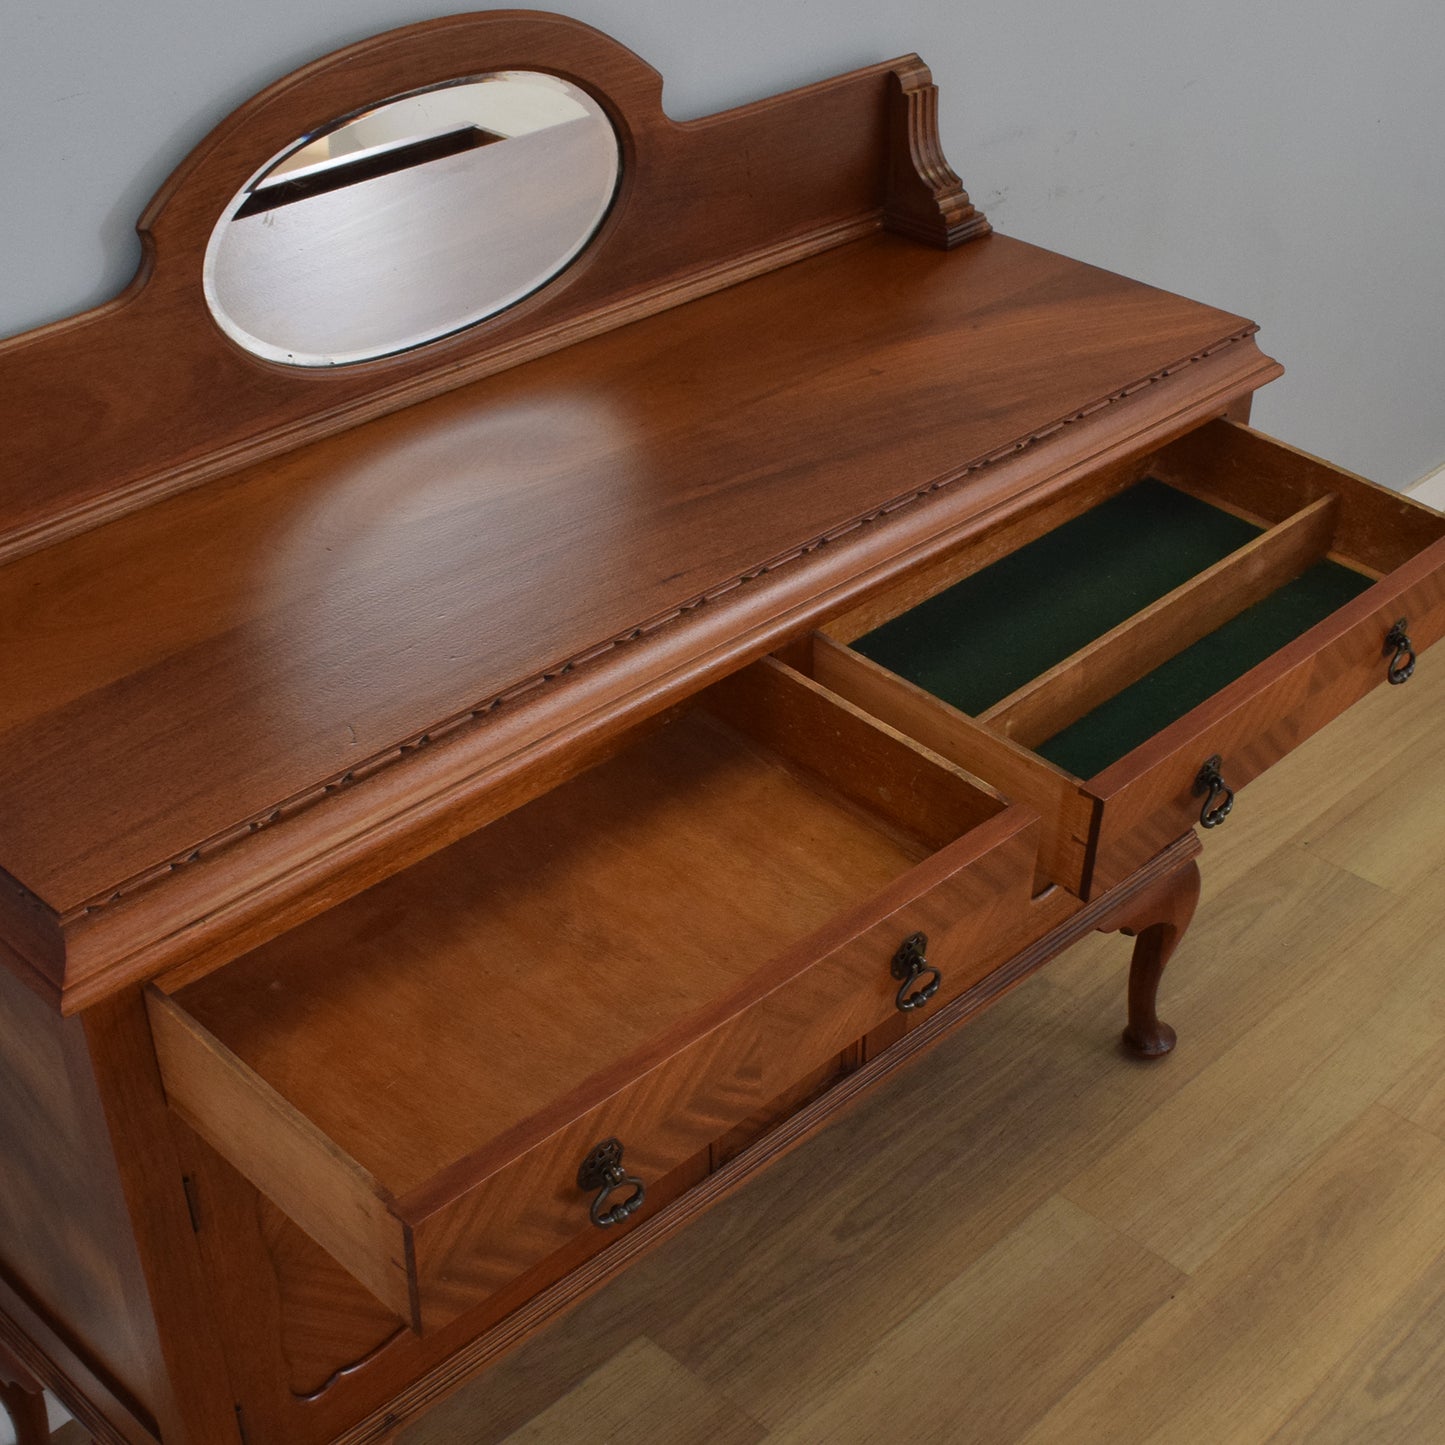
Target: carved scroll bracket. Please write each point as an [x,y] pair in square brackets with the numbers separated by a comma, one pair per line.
[925,199]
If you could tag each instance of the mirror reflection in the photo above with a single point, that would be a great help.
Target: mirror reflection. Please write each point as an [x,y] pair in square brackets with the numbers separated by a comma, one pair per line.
[412,220]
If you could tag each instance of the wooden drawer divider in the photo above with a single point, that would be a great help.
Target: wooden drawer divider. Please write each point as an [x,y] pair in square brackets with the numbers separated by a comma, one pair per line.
[1120,657]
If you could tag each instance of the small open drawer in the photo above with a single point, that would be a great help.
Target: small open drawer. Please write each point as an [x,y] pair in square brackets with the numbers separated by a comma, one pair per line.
[1208,610]
[649,953]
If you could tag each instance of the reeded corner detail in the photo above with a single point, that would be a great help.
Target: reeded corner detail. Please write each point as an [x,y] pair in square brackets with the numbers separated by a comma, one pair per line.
[925,199]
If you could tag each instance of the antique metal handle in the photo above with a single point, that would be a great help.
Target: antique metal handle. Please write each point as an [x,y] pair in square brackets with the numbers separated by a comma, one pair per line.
[920,978]
[1219,799]
[602,1170]
[1402,663]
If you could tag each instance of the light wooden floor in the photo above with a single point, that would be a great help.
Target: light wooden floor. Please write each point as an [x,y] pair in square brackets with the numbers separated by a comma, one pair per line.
[1030,1238]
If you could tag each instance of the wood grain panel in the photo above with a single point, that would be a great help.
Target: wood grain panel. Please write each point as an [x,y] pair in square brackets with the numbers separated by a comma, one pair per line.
[855,756]
[1146,798]
[619,483]
[330,1327]
[473,1238]
[815,1083]
[413,597]
[486,1349]
[283,1152]
[792,1292]
[308,1349]
[591,922]
[208,904]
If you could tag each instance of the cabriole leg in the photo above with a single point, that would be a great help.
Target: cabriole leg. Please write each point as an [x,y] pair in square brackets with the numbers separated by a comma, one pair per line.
[1156,920]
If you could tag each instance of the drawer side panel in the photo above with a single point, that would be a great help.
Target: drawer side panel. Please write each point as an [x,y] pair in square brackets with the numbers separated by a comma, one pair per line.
[283,1154]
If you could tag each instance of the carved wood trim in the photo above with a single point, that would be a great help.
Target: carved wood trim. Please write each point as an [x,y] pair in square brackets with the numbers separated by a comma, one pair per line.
[289,807]
[206,916]
[355,1367]
[926,200]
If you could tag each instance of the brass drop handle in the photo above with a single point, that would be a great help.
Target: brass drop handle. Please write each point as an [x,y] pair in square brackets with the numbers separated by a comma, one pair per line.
[602,1170]
[920,980]
[1402,660]
[1219,796]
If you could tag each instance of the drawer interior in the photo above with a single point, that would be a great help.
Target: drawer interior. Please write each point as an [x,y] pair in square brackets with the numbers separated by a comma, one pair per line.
[1083,641]
[1227,595]
[445,1021]
[448,1005]
[984,644]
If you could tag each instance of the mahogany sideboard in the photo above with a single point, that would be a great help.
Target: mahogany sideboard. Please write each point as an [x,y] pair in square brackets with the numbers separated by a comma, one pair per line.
[466,808]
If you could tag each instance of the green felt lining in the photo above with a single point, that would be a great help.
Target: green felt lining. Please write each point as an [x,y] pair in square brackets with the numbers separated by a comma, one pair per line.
[1133,716]
[988,635]
[980,640]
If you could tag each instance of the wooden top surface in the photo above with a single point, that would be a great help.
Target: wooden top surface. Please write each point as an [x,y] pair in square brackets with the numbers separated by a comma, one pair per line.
[172,675]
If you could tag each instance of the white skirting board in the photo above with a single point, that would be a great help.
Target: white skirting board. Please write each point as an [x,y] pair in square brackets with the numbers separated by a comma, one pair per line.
[1431,489]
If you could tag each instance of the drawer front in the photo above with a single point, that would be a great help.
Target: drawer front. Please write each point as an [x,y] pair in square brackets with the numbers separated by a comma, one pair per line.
[1148,798]
[471,1229]
[468,1241]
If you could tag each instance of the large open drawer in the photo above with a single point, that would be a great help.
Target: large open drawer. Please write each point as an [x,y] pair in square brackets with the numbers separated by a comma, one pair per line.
[1097,661]
[651,952]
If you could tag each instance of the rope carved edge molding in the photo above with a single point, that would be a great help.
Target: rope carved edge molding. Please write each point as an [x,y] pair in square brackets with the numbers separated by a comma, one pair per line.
[475,715]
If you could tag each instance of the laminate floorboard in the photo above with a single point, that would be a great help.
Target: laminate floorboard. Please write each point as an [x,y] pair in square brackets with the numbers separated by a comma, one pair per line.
[1031,1238]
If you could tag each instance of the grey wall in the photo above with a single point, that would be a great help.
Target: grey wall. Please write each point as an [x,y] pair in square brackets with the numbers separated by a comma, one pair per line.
[1281,158]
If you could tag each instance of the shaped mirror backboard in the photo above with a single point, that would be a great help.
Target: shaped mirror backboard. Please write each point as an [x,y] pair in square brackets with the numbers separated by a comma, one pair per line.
[412,220]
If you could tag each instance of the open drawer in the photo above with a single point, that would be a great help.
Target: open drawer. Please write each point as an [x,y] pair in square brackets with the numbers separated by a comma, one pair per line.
[1128,661]
[649,953]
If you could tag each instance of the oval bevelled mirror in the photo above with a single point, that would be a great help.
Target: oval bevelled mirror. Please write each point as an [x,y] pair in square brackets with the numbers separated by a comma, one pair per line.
[412,220]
